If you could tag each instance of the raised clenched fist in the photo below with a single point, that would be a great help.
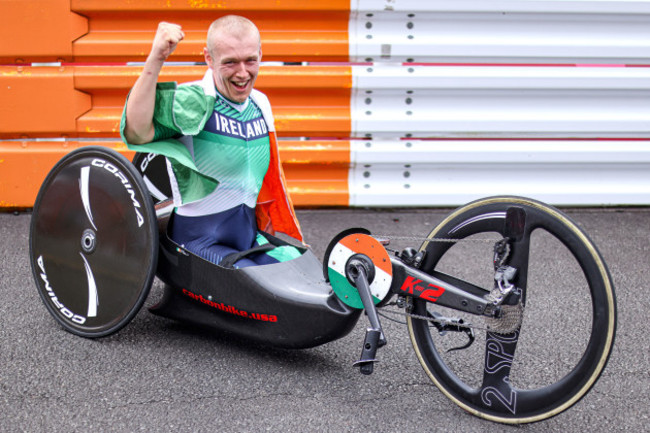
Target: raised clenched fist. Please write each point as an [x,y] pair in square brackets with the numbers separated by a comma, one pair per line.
[167,37]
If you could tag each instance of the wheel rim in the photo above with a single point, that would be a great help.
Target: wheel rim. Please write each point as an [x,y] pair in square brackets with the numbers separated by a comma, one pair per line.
[531,404]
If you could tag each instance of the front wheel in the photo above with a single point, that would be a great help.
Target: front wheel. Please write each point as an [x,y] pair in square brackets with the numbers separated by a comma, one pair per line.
[569,318]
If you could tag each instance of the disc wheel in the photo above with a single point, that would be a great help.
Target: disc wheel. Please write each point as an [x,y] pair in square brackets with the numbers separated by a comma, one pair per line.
[153,169]
[569,318]
[93,242]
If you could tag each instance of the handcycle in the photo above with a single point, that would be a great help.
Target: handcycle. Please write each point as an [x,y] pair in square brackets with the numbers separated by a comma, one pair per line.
[511,342]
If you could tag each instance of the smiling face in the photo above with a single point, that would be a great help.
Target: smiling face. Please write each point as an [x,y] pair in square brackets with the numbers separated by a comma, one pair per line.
[234,54]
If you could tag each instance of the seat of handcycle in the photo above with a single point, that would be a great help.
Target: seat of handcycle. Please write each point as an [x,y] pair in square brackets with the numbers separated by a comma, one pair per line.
[286,304]
[267,242]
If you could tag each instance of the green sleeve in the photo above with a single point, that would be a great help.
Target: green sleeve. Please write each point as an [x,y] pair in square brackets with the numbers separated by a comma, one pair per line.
[178,111]
[181,109]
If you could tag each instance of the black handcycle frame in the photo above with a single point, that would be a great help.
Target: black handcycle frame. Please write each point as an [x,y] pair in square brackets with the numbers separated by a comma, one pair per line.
[101,213]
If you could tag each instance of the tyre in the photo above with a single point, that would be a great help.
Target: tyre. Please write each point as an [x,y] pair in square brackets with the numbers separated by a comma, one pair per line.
[569,316]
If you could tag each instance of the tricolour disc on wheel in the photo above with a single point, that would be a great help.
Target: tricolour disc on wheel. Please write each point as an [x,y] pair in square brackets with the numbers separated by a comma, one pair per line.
[359,243]
[93,242]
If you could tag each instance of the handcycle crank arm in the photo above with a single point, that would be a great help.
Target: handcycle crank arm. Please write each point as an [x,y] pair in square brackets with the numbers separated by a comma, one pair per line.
[438,288]
[368,304]
[374,334]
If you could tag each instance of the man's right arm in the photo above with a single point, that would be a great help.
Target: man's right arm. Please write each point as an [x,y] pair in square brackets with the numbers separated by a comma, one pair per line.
[139,127]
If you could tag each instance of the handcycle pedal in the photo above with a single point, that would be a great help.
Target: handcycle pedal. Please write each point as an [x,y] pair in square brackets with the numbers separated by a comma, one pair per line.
[370,345]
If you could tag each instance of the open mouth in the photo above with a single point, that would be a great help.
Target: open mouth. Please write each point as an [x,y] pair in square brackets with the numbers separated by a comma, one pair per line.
[240,85]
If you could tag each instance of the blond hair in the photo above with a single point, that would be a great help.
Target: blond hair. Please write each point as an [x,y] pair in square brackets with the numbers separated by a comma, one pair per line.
[233,24]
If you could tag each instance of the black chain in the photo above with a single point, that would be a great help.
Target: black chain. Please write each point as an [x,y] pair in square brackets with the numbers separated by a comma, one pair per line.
[441,321]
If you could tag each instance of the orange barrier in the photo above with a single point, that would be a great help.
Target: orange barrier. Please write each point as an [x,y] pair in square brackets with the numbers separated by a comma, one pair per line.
[317,171]
[122,30]
[87,101]
[39,102]
[75,95]
[25,164]
[39,30]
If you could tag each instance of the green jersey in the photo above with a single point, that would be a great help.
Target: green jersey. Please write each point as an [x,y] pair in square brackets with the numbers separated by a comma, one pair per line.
[232,147]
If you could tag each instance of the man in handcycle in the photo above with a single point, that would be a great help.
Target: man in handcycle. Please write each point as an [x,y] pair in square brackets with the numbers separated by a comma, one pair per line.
[219,139]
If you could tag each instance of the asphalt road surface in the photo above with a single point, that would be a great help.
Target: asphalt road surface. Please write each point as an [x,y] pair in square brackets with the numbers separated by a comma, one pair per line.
[157,375]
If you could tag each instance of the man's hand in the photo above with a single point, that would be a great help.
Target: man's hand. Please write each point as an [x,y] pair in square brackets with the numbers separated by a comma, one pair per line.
[167,37]
[139,127]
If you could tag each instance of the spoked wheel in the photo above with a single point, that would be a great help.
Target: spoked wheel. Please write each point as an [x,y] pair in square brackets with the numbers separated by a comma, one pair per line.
[569,316]
[93,242]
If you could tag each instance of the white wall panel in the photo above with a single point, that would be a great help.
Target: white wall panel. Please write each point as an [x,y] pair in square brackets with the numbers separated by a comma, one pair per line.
[533,83]
[489,101]
[515,31]
[449,173]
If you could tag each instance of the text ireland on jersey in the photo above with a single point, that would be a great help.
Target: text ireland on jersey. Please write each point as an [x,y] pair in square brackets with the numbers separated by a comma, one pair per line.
[248,130]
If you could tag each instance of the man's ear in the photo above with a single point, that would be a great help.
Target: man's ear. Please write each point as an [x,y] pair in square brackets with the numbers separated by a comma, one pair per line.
[207,57]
